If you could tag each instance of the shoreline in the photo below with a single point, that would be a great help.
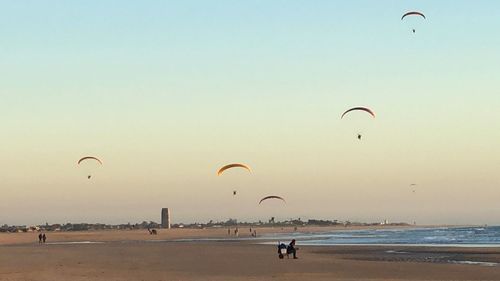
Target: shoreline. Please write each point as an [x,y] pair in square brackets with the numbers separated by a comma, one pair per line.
[265,236]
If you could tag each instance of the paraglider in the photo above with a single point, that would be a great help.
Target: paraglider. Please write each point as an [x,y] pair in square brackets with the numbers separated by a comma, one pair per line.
[359,108]
[418,14]
[235,165]
[412,14]
[412,186]
[230,166]
[272,197]
[89,158]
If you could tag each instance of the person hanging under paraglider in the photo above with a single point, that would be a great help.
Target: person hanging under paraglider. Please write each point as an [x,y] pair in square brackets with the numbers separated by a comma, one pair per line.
[414,13]
[359,108]
[89,158]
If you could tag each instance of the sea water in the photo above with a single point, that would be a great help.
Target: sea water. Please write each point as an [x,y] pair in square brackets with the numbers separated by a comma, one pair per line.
[438,236]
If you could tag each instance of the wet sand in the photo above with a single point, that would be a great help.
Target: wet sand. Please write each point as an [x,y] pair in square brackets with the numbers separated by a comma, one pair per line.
[140,259]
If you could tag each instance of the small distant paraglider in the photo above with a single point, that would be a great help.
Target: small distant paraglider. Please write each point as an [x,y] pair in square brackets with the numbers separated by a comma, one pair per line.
[89,158]
[230,166]
[413,13]
[272,197]
[412,186]
[359,108]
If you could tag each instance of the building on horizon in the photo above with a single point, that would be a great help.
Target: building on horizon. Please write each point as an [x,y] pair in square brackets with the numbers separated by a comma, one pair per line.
[165,218]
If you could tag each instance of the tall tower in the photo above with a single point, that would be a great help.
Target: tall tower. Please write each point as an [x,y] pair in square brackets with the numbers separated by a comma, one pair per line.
[165,218]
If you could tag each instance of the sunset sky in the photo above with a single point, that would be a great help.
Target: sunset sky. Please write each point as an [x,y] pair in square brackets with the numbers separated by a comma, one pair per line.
[166,92]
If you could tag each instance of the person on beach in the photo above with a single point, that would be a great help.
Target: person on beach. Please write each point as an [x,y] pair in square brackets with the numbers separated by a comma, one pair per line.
[281,250]
[40,238]
[236,232]
[229,231]
[291,249]
[44,238]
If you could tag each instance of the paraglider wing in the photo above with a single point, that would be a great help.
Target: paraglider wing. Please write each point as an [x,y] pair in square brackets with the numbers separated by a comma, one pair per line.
[89,158]
[359,108]
[413,14]
[235,165]
[272,197]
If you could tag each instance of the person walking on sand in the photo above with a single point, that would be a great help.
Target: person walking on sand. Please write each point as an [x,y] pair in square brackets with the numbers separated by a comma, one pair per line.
[44,237]
[236,232]
[228,231]
[40,238]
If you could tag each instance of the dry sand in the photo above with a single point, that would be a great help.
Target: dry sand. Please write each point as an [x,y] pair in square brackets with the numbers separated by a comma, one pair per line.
[128,255]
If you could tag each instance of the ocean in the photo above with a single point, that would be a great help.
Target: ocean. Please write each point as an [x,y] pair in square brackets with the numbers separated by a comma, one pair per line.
[439,236]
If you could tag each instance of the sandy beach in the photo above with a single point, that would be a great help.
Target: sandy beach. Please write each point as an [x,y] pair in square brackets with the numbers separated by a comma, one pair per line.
[167,234]
[362,136]
[134,255]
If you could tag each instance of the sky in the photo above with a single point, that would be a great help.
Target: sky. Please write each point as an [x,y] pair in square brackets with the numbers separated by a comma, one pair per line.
[166,92]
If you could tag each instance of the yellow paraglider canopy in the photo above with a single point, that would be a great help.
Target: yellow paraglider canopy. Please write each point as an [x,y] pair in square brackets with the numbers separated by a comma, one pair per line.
[230,166]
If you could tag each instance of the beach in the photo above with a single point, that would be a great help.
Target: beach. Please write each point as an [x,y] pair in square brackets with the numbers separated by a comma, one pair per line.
[170,234]
[134,255]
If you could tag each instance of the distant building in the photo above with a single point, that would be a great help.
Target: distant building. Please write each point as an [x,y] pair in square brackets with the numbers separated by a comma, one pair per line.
[165,218]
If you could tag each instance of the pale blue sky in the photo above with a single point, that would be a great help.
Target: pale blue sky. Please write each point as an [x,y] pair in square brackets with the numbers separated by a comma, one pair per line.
[166,92]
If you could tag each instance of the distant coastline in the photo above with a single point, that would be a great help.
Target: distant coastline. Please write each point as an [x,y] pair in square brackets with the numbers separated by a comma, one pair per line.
[214,233]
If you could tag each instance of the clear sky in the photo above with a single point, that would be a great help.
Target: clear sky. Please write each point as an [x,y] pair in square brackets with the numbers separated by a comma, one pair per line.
[166,92]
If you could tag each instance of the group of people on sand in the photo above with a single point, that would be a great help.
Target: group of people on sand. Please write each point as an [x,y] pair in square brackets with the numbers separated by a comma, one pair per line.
[287,250]
[42,238]
[236,232]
